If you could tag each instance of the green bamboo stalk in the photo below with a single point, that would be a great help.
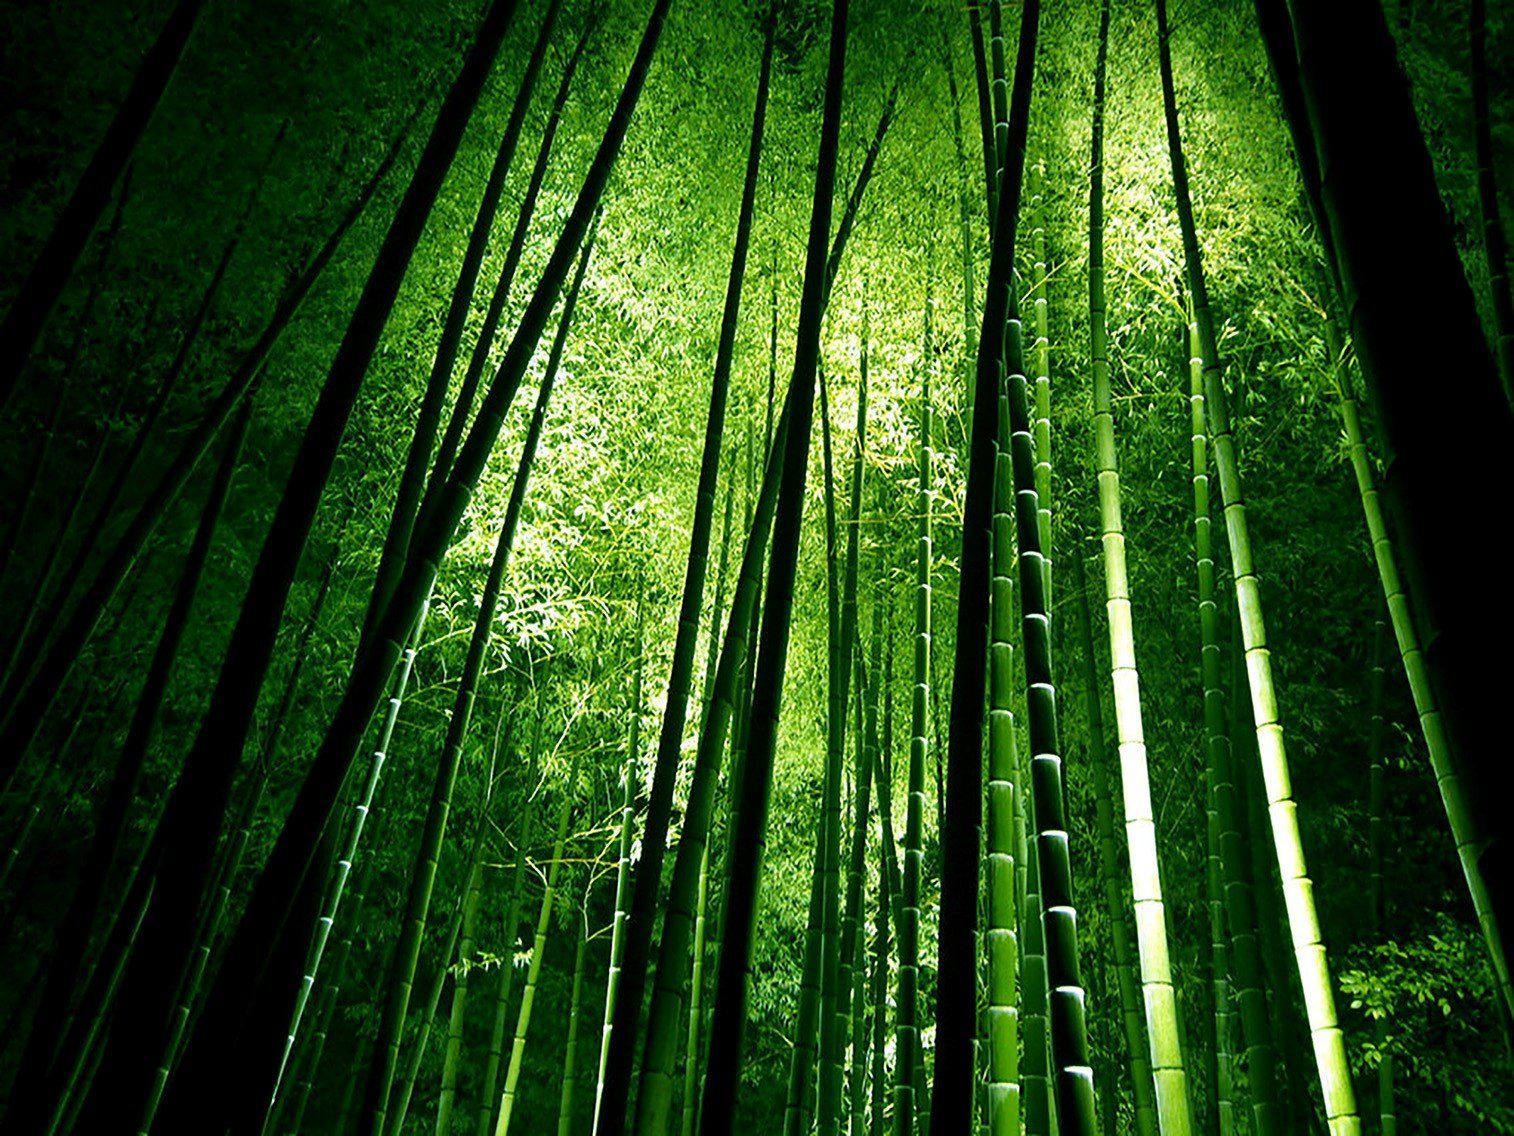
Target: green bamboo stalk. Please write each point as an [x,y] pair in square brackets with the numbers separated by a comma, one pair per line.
[836,979]
[403,1090]
[1377,803]
[964,211]
[1002,916]
[851,910]
[1308,947]
[717,1104]
[865,731]
[488,1104]
[336,889]
[907,1029]
[1041,352]
[878,1125]
[538,950]
[452,1060]
[1411,652]
[570,1046]
[654,1099]
[315,1046]
[1142,1096]
[1240,910]
[630,780]
[1173,1103]
[696,1005]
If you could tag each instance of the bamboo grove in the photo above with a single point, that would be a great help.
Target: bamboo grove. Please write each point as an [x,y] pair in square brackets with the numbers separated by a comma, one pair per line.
[625,567]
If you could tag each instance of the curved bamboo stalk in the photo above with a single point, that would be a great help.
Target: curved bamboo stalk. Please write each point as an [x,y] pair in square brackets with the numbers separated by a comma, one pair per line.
[488,1104]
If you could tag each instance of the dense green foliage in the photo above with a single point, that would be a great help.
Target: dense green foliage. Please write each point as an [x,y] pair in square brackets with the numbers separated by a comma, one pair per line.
[586,616]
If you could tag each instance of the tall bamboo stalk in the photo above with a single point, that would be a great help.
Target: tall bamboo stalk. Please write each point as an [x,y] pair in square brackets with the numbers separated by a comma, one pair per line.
[1174,1106]
[907,1028]
[1387,1112]
[1002,937]
[1432,726]
[538,951]
[1308,947]
[488,1103]
[717,1104]
[630,781]
[570,1043]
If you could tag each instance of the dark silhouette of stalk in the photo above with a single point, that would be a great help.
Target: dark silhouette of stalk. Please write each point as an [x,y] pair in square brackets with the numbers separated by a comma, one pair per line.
[1383,211]
[72,939]
[268,919]
[457,422]
[27,706]
[194,815]
[647,878]
[717,1104]
[70,233]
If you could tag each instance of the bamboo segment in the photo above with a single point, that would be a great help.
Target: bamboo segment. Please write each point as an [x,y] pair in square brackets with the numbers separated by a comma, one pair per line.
[570,1043]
